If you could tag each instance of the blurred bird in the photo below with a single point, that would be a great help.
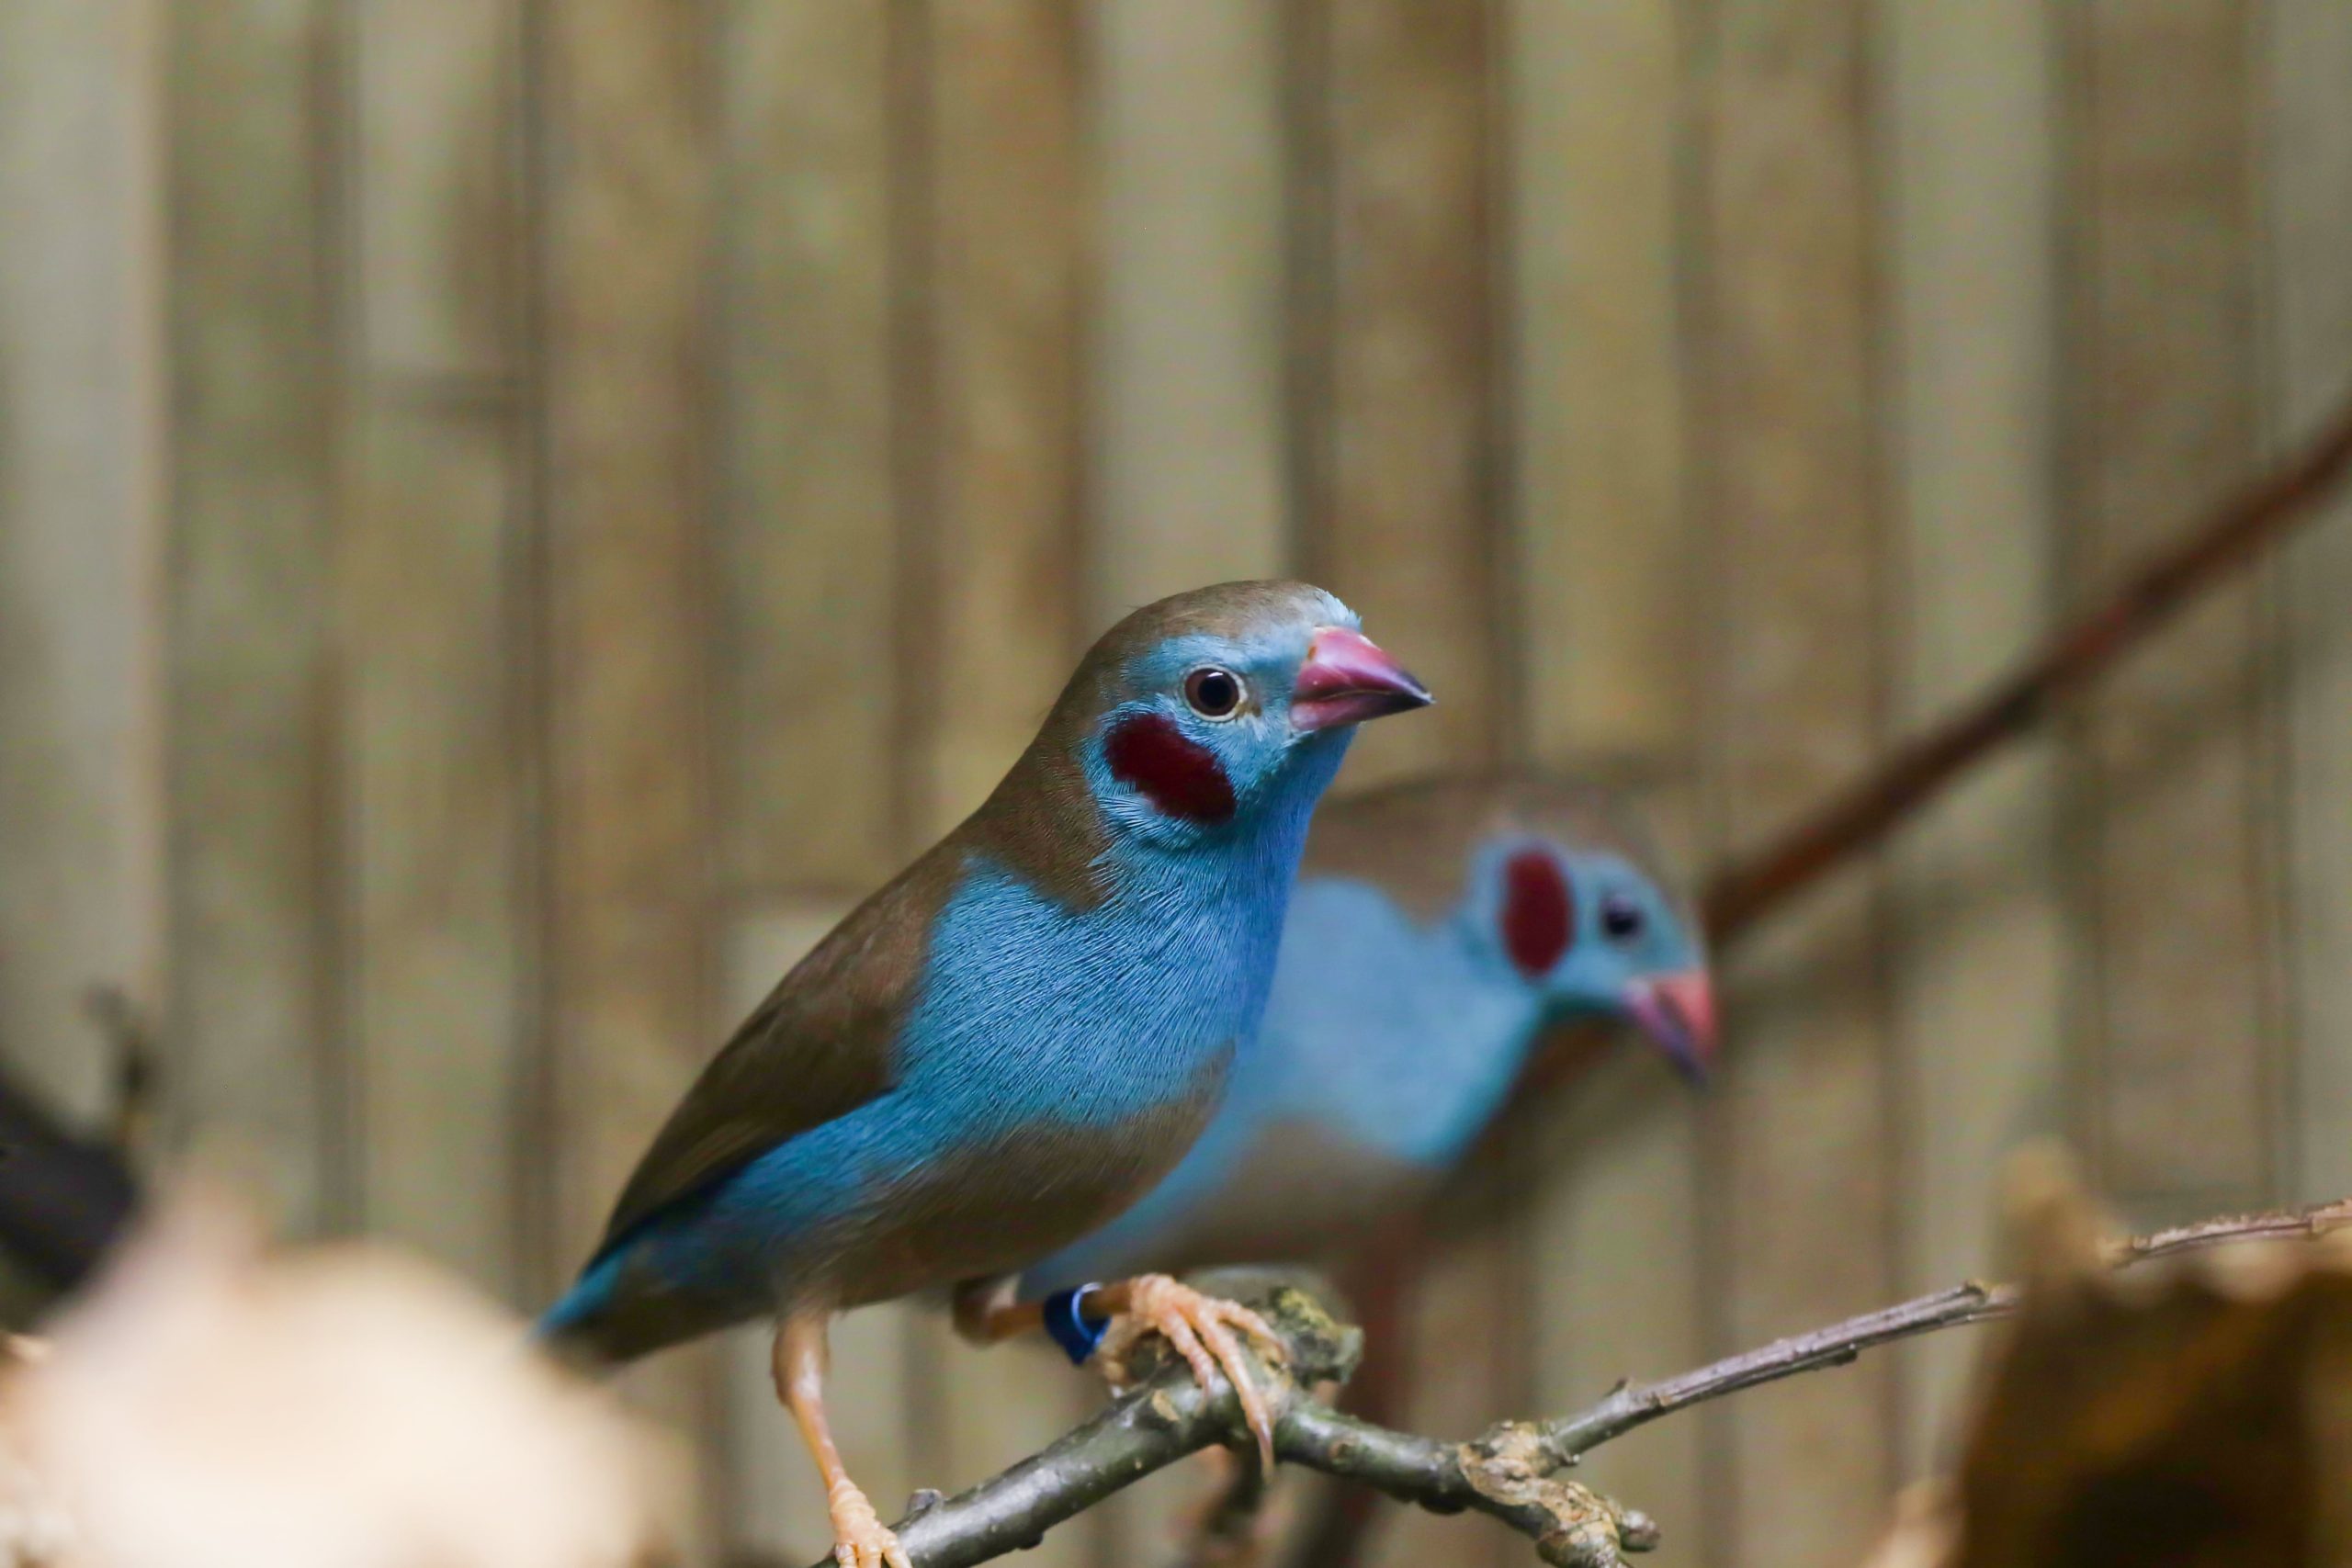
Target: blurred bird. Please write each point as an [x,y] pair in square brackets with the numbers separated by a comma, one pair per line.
[1019,1035]
[1438,932]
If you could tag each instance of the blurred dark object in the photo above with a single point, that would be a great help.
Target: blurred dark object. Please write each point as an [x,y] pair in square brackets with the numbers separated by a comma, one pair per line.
[64,1199]
[65,1196]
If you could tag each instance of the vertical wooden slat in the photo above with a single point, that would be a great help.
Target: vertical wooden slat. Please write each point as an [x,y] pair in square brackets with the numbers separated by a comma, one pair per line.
[2308,154]
[434,200]
[1188,472]
[1971,179]
[433,761]
[810,588]
[1403,496]
[2177,873]
[1798,1137]
[1002,224]
[1616,1256]
[433,734]
[1188,457]
[81,376]
[1004,238]
[1597,106]
[627,220]
[252,1020]
[1608,655]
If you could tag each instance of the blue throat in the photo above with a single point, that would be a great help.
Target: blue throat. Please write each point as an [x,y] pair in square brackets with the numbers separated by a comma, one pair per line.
[1022,993]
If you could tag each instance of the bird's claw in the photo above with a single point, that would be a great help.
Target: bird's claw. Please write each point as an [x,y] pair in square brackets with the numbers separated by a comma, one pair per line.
[1201,1329]
[860,1538]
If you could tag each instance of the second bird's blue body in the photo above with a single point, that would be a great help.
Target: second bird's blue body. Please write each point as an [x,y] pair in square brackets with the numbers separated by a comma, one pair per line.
[1393,1034]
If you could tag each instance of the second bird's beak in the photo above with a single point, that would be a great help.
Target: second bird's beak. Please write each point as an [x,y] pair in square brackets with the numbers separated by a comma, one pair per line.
[1347,679]
[1678,1013]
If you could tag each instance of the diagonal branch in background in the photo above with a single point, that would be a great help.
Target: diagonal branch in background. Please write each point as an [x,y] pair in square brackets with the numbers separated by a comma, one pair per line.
[2232,539]
[2228,540]
[1507,1472]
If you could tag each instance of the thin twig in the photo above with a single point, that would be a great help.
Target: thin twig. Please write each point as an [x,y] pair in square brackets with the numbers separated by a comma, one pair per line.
[1631,1405]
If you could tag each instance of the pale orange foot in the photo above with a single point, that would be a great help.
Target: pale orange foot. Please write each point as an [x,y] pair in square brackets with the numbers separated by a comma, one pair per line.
[860,1538]
[1201,1328]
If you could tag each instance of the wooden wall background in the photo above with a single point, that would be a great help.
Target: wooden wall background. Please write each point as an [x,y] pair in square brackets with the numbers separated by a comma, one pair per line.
[512,512]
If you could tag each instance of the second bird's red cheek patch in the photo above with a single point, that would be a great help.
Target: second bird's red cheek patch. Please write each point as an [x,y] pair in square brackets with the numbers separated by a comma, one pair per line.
[1176,773]
[1537,912]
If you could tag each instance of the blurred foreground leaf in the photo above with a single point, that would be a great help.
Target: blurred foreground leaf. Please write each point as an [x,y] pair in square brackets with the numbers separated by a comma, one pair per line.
[213,1403]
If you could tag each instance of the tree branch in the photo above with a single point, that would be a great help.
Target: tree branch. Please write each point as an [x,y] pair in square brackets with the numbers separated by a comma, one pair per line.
[1509,1472]
[1168,1418]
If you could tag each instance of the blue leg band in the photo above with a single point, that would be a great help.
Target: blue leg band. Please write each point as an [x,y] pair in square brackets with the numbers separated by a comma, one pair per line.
[1073,1330]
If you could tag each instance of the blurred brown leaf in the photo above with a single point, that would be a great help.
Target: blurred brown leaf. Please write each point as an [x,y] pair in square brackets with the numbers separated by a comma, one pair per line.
[213,1403]
[2190,1416]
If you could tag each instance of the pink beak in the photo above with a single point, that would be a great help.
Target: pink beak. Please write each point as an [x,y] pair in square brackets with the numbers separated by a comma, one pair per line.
[1347,679]
[1678,1012]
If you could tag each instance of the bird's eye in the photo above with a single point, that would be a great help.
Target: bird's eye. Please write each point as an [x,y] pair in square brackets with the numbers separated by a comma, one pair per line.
[1213,693]
[1621,919]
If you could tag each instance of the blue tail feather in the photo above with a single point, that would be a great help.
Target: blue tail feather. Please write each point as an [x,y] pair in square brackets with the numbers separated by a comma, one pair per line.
[575,1315]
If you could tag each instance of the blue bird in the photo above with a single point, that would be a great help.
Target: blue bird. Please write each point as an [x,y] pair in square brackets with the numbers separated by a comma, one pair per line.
[1018,1035]
[1438,931]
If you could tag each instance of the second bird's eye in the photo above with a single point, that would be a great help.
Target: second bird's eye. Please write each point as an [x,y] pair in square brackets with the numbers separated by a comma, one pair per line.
[1213,693]
[1621,919]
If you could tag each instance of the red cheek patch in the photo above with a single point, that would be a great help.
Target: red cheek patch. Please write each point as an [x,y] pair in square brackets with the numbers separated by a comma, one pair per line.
[1180,776]
[1537,913]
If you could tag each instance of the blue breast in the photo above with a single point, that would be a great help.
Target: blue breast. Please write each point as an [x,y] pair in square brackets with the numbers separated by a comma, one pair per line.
[1032,1013]
[1029,1015]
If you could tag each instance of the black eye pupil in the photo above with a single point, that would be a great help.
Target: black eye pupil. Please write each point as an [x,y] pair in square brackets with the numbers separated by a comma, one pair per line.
[1621,917]
[1214,693]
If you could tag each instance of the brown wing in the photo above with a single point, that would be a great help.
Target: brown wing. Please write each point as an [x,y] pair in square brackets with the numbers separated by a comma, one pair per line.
[818,1048]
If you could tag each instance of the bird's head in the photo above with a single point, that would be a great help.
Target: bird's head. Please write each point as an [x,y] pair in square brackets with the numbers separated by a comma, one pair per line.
[1597,934]
[1215,708]
[1550,885]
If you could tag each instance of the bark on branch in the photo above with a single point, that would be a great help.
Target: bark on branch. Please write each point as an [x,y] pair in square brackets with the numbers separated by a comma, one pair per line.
[1510,1471]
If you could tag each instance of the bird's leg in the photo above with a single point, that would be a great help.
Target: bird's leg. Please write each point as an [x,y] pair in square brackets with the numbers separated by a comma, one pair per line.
[1201,1328]
[860,1538]
[987,1314]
